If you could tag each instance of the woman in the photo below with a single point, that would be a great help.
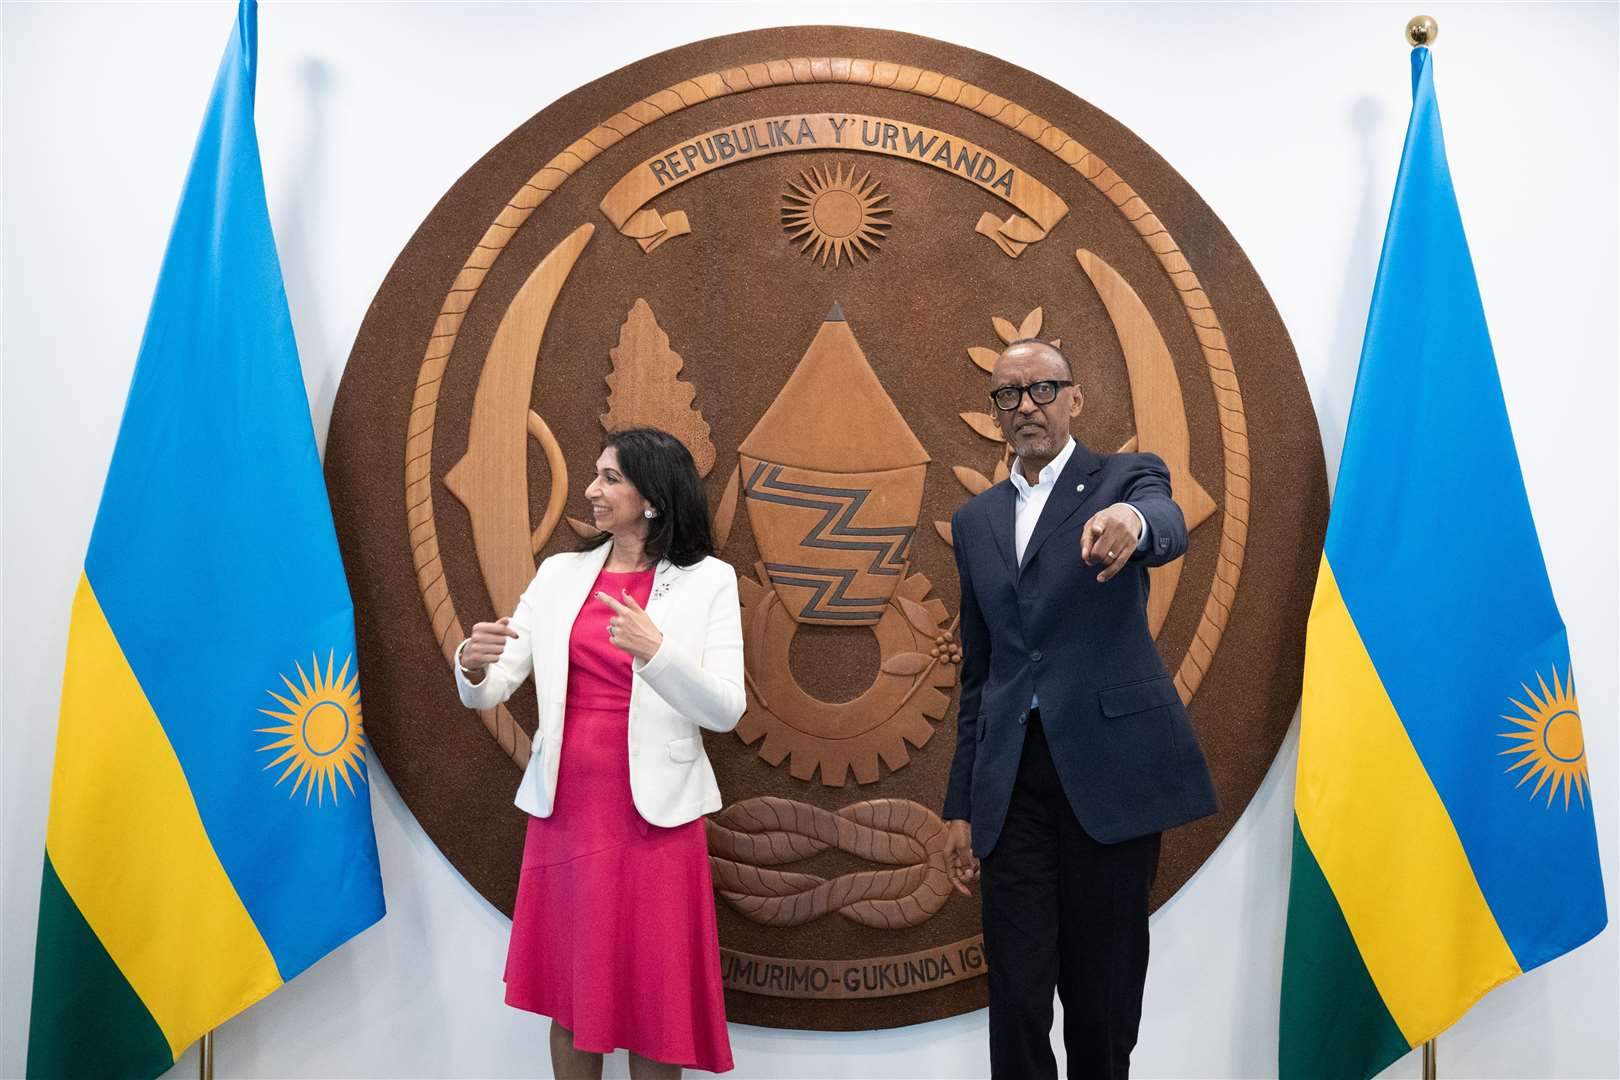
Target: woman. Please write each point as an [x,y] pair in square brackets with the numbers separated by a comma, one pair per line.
[636,645]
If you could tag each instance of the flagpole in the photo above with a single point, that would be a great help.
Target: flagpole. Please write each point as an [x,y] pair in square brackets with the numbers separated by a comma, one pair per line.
[205,1057]
[1421,30]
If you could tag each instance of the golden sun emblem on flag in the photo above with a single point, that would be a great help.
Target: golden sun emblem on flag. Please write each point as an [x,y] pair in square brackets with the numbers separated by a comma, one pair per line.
[320,737]
[1550,743]
[835,214]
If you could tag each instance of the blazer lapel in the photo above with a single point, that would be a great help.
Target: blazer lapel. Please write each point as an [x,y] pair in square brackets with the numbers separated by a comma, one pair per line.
[571,594]
[1003,510]
[1073,489]
[663,577]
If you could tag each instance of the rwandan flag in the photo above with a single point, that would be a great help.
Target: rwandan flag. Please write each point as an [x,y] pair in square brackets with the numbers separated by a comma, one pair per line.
[210,827]
[1443,838]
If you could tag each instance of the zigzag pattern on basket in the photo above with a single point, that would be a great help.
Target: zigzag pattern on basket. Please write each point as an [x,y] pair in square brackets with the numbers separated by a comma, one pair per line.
[839,507]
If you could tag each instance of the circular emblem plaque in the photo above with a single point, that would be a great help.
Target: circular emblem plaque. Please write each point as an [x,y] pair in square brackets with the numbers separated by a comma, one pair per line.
[800,250]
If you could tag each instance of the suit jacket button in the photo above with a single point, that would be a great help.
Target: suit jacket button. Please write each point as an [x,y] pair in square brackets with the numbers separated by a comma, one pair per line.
[1036,656]
[1023,717]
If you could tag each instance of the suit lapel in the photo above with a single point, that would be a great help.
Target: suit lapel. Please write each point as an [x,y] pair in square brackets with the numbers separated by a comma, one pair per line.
[1073,488]
[1002,507]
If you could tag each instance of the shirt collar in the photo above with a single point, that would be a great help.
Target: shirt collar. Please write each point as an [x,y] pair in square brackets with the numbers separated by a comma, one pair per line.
[1053,469]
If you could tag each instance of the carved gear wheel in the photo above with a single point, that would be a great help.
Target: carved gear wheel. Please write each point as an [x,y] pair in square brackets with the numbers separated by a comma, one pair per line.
[918,667]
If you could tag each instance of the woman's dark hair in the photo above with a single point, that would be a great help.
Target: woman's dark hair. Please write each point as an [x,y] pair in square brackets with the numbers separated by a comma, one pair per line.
[661,468]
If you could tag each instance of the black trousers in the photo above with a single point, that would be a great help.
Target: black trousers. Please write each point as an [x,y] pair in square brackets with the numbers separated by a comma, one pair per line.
[1063,912]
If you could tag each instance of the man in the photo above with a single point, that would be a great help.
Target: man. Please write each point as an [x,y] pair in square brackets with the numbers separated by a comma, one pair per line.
[1073,750]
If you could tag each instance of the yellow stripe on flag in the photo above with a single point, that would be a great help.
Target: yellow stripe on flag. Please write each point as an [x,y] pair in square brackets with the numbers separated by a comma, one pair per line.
[128,844]
[1383,839]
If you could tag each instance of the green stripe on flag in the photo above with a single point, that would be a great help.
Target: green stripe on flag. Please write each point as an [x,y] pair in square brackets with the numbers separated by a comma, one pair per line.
[87,1020]
[1334,1023]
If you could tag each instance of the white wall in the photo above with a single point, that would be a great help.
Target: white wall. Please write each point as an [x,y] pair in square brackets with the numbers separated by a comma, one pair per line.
[368,113]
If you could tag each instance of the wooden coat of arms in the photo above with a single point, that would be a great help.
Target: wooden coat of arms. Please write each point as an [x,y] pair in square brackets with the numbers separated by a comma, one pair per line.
[800,250]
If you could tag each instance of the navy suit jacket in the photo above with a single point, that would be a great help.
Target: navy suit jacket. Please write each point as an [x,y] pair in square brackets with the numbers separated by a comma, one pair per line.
[1120,738]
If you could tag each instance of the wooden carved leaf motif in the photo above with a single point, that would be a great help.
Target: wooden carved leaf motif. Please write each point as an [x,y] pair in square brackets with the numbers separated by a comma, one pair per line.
[645,388]
[984,424]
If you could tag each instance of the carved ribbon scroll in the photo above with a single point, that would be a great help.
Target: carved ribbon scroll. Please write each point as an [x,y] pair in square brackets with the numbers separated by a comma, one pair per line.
[1039,207]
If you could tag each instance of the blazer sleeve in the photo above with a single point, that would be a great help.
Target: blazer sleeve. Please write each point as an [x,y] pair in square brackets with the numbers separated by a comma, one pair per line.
[517,656]
[975,638]
[1147,488]
[705,684]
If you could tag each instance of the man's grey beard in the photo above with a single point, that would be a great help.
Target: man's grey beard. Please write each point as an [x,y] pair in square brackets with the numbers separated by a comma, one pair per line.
[1044,448]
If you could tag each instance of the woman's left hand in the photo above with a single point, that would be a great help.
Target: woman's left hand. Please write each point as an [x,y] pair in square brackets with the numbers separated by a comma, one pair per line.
[630,629]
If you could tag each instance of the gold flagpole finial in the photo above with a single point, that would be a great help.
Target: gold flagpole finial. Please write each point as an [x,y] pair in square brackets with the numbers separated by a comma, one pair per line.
[1422,30]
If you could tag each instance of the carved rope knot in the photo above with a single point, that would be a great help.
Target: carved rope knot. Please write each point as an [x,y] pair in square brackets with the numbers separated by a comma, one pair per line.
[749,837]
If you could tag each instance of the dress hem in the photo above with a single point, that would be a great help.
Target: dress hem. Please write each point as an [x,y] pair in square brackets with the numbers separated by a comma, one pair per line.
[540,1011]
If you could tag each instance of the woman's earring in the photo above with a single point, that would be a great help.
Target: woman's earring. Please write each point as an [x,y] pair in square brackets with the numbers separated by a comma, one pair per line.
[649,513]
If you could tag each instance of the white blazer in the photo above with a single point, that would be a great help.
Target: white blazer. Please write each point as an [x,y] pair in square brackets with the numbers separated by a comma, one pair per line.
[694,681]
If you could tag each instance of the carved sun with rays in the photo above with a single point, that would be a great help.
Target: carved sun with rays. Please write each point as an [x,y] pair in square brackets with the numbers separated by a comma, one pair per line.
[834,214]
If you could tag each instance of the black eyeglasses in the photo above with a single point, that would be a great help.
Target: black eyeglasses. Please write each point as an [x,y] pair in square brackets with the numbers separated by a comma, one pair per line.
[1041,392]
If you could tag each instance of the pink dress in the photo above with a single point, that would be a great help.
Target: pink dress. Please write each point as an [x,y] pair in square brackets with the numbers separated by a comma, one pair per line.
[614,931]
